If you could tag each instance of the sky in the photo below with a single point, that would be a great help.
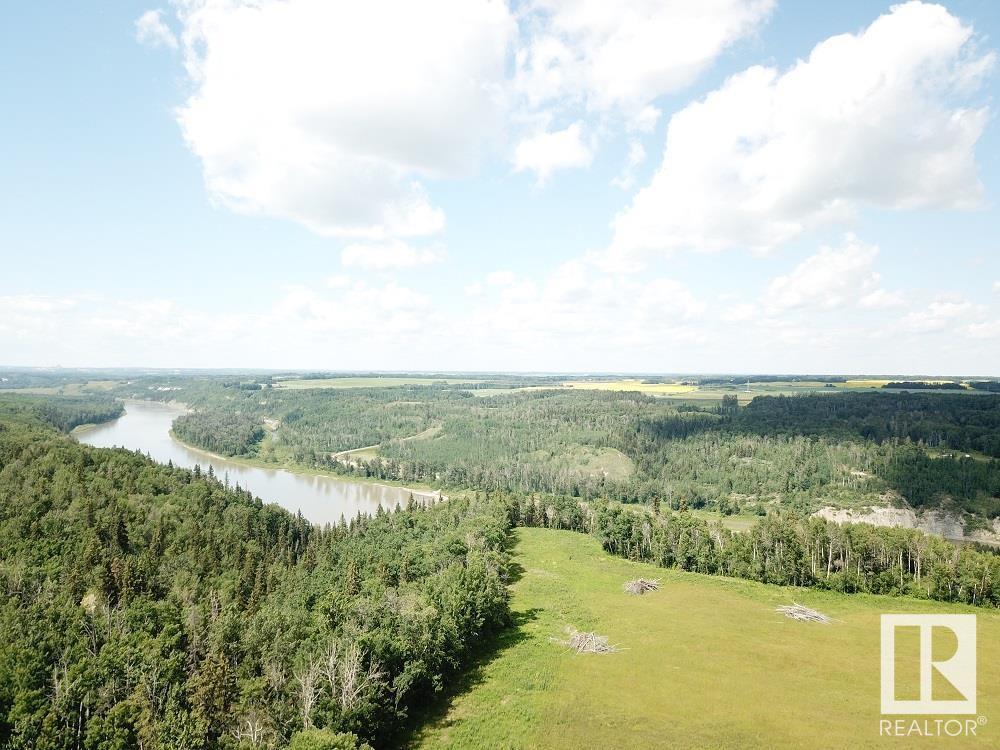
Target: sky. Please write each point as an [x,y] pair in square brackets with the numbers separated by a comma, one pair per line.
[539,186]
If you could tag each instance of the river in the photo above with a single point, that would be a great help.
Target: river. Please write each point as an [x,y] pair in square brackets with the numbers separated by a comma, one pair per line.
[145,427]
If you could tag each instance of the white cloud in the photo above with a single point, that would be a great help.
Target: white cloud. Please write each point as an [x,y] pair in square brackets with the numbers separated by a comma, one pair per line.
[576,308]
[622,55]
[361,307]
[339,281]
[940,314]
[989,330]
[44,328]
[869,119]
[301,326]
[880,299]
[645,121]
[389,255]
[150,29]
[636,156]
[996,286]
[831,278]
[16,304]
[572,317]
[332,114]
[501,278]
[739,313]
[546,152]
[339,115]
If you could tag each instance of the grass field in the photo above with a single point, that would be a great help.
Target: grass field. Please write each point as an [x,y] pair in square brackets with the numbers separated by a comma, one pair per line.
[675,390]
[365,382]
[736,522]
[706,662]
[715,392]
[69,389]
[948,453]
[630,385]
[670,390]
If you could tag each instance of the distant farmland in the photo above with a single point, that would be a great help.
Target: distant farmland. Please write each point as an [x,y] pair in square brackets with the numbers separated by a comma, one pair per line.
[366,382]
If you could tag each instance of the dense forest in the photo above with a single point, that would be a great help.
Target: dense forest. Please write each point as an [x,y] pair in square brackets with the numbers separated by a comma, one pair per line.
[228,433]
[920,385]
[992,386]
[148,606]
[801,451]
[312,423]
[804,451]
[957,421]
[62,412]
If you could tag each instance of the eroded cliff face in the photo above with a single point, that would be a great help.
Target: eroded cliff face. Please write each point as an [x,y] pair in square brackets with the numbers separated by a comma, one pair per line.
[987,536]
[948,525]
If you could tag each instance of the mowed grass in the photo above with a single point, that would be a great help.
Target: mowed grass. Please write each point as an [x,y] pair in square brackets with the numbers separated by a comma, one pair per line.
[706,662]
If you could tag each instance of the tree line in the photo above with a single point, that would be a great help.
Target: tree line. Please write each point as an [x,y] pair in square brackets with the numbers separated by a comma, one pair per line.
[62,412]
[783,548]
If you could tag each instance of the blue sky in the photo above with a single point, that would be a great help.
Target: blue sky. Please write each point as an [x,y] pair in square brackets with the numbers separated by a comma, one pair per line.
[310,185]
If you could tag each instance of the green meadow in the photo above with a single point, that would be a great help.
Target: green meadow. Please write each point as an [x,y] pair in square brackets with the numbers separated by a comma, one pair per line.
[704,662]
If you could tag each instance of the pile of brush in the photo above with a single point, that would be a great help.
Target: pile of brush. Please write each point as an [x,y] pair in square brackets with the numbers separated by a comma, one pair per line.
[803,614]
[588,643]
[641,585]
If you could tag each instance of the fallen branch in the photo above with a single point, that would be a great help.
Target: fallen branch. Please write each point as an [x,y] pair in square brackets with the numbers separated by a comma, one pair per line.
[803,614]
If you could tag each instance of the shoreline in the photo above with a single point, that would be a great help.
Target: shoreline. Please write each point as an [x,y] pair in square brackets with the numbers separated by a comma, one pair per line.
[252,463]
[309,471]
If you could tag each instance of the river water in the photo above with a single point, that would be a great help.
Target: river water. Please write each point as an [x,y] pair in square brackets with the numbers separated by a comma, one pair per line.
[145,426]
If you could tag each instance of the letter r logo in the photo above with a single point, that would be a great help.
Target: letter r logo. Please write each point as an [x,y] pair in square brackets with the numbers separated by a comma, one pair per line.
[959,669]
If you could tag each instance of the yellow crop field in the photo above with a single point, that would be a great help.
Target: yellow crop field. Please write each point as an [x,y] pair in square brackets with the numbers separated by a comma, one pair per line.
[630,385]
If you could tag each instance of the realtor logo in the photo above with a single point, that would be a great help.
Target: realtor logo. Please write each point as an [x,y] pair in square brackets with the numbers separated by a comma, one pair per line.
[958,668]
